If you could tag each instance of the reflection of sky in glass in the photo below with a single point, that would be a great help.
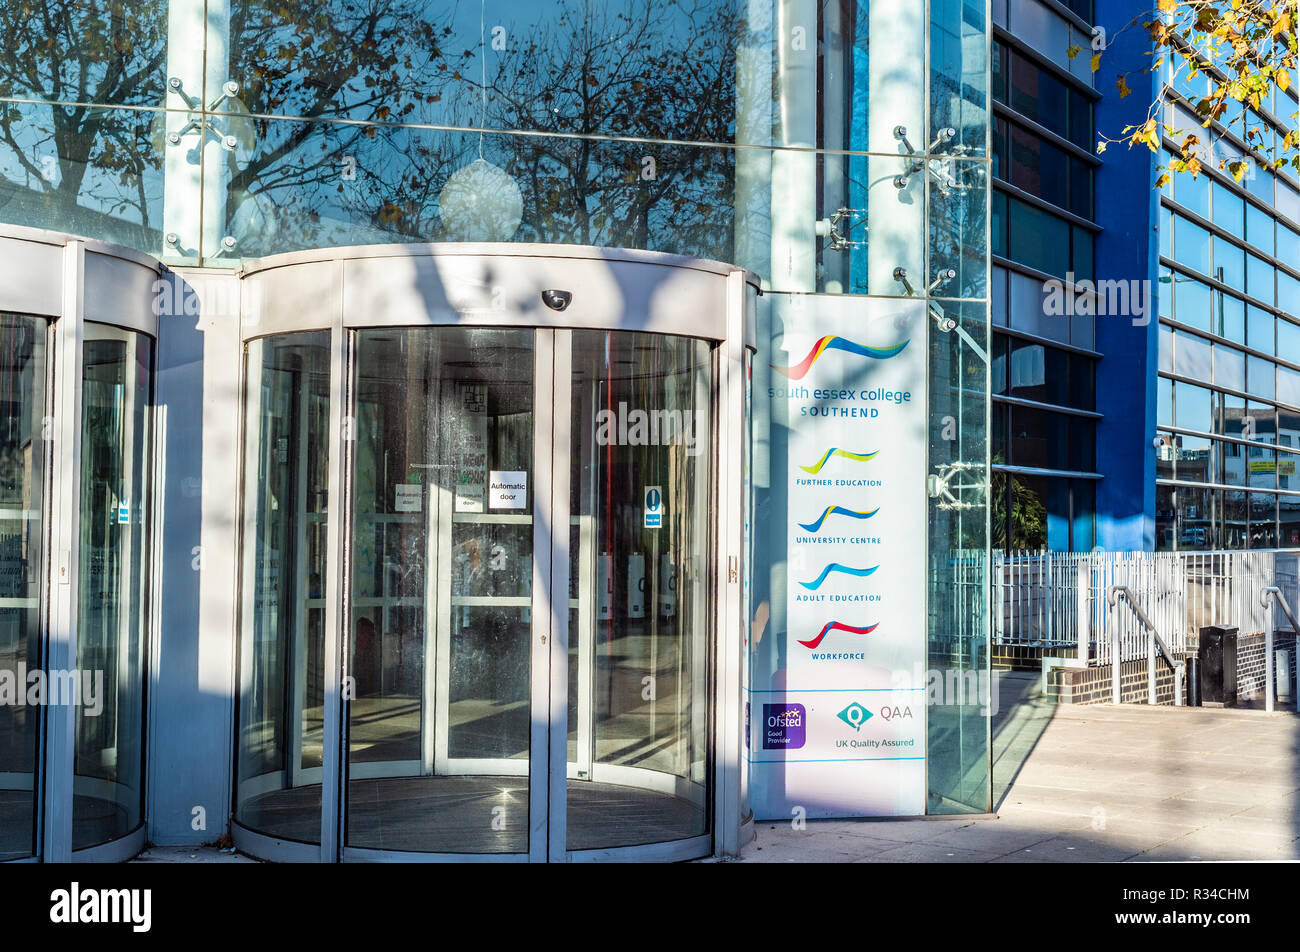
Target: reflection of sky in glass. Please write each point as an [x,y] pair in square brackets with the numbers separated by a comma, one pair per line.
[106,182]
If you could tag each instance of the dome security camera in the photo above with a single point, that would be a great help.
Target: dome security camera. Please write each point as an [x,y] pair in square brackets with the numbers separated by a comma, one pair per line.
[557,300]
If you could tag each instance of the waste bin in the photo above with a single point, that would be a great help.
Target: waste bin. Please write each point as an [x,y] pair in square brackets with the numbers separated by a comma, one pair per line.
[1218,657]
[1193,681]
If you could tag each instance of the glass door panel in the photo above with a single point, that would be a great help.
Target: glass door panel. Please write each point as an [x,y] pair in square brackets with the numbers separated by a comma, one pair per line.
[108,793]
[282,675]
[22,482]
[641,611]
[438,673]
[439,681]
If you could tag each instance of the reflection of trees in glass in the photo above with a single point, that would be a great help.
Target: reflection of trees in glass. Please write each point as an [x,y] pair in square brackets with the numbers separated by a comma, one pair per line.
[20,397]
[1028,514]
[54,158]
[959,228]
[571,71]
[382,61]
[657,70]
[653,71]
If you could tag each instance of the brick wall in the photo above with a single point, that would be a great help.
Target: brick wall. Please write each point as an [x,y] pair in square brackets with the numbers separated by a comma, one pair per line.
[1092,685]
[1027,657]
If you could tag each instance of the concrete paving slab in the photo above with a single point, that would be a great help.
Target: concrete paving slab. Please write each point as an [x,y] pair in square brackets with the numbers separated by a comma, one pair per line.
[1068,850]
[930,853]
[994,836]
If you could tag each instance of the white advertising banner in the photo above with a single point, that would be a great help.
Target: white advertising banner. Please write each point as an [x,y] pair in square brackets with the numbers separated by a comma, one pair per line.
[837,716]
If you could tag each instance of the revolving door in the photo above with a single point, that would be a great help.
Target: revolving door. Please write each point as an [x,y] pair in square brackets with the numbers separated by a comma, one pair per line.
[505,644]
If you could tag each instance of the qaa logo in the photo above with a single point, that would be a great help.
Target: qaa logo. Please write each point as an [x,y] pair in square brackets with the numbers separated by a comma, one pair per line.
[855,715]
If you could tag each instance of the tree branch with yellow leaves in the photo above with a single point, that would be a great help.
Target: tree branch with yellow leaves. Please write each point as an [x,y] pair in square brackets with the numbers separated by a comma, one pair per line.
[1245,51]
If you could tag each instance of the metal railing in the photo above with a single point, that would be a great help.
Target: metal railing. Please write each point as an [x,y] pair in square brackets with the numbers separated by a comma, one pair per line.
[1058,601]
[1273,594]
[1154,643]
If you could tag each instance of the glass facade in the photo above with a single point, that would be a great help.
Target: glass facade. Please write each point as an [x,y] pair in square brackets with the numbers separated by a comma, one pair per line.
[1228,390]
[958,761]
[757,133]
[1044,360]
[719,129]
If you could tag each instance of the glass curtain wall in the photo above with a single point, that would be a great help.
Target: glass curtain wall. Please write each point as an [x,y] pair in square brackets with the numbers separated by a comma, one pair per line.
[958,225]
[1228,390]
[22,496]
[752,131]
[759,133]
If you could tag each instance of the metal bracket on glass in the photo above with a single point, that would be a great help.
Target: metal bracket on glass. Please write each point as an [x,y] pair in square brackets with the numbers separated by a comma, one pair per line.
[948,324]
[942,321]
[203,124]
[175,85]
[173,241]
[949,483]
[900,275]
[945,136]
[936,168]
[830,228]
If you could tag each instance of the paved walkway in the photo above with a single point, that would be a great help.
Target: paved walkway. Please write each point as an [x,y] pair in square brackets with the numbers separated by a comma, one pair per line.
[1074,784]
[1096,784]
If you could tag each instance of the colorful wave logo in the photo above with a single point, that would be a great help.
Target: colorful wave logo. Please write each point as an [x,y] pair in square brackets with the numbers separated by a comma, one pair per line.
[830,342]
[836,567]
[836,451]
[838,626]
[835,510]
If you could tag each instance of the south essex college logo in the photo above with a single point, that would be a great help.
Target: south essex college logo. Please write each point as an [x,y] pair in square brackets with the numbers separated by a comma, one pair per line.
[830,342]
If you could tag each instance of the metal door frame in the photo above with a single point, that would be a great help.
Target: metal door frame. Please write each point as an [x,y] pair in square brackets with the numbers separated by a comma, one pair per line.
[441,286]
[119,300]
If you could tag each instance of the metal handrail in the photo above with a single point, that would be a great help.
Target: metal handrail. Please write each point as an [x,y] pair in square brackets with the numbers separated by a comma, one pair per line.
[1155,643]
[1264,594]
